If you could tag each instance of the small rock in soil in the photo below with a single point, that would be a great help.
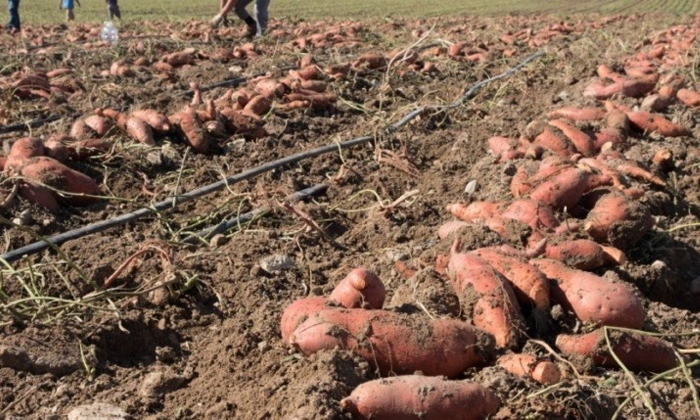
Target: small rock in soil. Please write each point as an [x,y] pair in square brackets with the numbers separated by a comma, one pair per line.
[276,263]
[157,384]
[98,411]
[218,240]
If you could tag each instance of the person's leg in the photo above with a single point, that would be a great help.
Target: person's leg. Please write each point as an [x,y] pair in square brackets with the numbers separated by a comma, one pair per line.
[71,15]
[241,12]
[261,15]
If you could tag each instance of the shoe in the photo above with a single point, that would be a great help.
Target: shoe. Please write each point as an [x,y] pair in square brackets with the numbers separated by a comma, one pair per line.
[251,31]
[216,21]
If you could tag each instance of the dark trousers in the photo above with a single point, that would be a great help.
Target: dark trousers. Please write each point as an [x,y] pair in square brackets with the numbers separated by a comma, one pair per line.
[13,11]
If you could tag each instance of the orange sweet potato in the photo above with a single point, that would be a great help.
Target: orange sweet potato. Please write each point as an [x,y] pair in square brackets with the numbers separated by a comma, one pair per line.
[158,122]
[370,61]
[99,125]
[580,253]
[488,298]
[556,142]
[475,210]
[395,342]
[360,288]
[688,97]
[140,131]
[533,213]
[80,130]
[527,365]
[617,220]
[298,311]
[41,196]
[56,149]
[592,298]
[449,228]
[561,189]
[50,172]
[192,130]
[646,121]
[637,351]
[23,149]
[259,105]
[421,397]
[578,114]
[581,141]
[531,287]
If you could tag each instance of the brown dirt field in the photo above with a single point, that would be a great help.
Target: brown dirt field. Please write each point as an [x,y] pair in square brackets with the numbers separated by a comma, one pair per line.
[195,334]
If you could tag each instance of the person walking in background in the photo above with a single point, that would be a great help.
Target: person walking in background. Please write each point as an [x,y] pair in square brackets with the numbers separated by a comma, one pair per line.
[113,10]
[68,5]
[13,26]
[256,27]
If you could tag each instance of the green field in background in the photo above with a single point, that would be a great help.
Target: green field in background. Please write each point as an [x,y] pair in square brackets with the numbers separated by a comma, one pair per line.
[37,11]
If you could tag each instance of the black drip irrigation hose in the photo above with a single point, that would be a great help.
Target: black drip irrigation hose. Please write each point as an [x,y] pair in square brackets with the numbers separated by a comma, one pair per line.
[172,202]
[36,122]
[206,234]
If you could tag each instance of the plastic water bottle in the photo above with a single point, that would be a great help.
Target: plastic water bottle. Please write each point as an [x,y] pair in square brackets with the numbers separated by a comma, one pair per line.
[109,33]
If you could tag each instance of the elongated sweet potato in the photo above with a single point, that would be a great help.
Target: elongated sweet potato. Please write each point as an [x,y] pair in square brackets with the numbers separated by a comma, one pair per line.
[646,121]
[52,173]
[619,221]
[581,141]
[259,105]
[533,213]
[489,300]
[637,351]
[416,397]
[360,288]
[555,141]
[592,298]
[583,254]
[80,130]
[140,131]
[527,365]
[158,122]
[688,97]
[475,210]
[531,287]
[298,311]
[561,189]
[41,196]
[578,114]
[21,150]
[448,228]
[395,342]
[98,124]
[192,130]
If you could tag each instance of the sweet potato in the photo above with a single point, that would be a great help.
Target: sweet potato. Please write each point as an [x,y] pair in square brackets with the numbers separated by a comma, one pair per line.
[54,174]
[421,398]
[688,97]
[259,105]
[80,130]
[24,148]
[158,122]
[561,189]
[192,130]
[56,149]
[475,210]
[488,298]
[663,159]
[99,125]
[578,114]
[83,149]
[269,88]
[646,121]
[530,286]
[298,311]
[41,196]
[140,131]
[395,342]
[360,288]
[556,142]
[617,220]
[527,365]
[592,298]
[533,213]
[637,351]
[583,254]
[370,61]
[581,141]
[118,117]
[448,228]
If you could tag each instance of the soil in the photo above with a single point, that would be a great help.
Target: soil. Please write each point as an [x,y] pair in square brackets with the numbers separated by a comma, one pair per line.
[192,329]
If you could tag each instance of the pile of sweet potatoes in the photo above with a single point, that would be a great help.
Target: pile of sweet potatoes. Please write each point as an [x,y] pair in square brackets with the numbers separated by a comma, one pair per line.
[577,206]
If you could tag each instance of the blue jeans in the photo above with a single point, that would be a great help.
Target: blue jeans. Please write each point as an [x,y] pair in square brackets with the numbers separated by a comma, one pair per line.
[260,13]
[13,11]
